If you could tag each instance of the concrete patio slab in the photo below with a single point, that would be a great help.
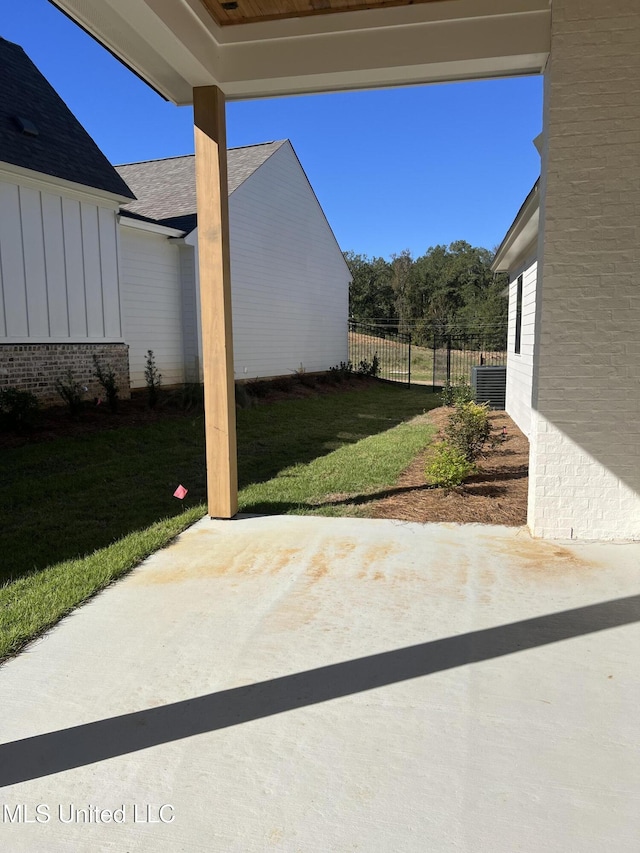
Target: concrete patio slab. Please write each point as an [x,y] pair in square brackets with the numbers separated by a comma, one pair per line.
[316,684]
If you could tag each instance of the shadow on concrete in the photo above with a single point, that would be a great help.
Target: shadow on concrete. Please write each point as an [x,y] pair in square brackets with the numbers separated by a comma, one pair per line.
[62,750]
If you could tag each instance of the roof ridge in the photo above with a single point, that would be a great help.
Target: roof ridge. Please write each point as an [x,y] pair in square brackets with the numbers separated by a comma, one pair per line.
[185,156]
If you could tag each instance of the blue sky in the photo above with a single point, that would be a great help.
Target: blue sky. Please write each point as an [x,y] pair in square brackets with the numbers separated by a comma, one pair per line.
[393,169]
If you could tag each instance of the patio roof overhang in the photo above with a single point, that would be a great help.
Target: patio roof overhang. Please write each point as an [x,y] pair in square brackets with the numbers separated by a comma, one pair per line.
[176,45]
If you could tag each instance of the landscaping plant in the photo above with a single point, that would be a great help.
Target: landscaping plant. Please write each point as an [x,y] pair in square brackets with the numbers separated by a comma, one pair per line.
[448,466]
[106,376]
[153,378]
[18,409]
[457,392]
[72,392]
[469,429]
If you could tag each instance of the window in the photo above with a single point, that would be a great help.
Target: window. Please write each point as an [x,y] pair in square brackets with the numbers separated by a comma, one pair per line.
[518,315]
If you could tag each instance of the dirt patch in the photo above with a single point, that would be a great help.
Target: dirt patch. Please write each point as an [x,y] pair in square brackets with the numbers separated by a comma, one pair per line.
[497,494]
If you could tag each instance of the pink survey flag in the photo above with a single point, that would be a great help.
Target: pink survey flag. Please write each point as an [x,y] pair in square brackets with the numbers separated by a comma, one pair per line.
[180,492]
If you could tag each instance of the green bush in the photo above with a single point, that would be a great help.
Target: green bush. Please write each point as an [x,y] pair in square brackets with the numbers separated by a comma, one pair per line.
[469,429]
[341,371]
[457,392]
[369,368]
[106,376]
[18,409]
[72,392]
[153,378]
[448,466]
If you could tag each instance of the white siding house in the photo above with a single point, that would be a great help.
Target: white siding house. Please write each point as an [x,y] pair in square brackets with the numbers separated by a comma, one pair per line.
[290,283]
[517,255]
[59,261]
[151,301]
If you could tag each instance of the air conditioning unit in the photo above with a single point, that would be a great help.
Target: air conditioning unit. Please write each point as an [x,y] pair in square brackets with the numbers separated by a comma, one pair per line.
[489,385]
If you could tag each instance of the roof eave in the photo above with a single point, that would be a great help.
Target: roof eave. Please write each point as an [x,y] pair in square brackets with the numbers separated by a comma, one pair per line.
[521,235]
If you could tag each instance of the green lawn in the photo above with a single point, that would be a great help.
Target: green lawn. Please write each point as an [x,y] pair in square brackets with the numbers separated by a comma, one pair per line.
[77,513]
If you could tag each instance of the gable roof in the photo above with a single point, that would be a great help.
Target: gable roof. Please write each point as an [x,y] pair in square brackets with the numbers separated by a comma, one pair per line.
[62,148]
[166,189]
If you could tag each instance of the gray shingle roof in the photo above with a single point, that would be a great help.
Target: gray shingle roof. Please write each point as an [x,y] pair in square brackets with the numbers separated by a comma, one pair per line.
[166,189]
[62,148]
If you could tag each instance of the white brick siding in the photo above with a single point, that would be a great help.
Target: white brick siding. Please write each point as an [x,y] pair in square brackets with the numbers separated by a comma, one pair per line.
[585,429]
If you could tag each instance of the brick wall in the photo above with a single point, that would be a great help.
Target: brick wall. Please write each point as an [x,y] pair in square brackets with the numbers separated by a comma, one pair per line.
[585,437]
[35,367]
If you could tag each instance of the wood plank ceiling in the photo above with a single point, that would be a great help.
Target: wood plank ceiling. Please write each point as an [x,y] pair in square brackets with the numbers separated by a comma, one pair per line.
[226,12]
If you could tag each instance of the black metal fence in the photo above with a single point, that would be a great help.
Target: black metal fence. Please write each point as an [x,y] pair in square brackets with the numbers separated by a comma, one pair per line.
[390,349]
[454,354]
[445,356]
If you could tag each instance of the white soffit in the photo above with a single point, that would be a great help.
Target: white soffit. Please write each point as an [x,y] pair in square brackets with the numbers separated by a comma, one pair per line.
[175,45]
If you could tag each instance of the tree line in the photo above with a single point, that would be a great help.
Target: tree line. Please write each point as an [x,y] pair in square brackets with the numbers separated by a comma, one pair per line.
[448,290]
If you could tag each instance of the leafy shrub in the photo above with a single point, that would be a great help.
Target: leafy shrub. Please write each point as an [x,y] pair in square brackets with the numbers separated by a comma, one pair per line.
[341,371]
[457,392]
[106,376]
[469,429]
[369,368]
[18,409]
[153,378]
[72,392]
[448,466]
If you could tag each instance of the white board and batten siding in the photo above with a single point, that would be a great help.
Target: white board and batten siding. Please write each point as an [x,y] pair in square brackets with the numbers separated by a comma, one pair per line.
[152,303]
[59,276]
[520,365]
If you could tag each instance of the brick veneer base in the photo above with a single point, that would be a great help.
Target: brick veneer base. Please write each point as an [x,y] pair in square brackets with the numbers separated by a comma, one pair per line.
[35,368]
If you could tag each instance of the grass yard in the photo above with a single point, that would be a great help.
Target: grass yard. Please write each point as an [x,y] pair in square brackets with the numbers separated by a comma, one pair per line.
[78,512]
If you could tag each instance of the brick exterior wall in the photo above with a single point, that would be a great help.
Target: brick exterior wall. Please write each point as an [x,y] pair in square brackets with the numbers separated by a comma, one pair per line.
[585,437]
[35,368]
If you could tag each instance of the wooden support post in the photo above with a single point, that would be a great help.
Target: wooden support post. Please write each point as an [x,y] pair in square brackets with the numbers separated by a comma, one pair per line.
[215,300]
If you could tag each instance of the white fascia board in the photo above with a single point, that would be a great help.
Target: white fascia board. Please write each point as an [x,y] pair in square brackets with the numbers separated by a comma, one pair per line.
[40,341]
[152,227]
[175,45]
[49,183]
[521,239]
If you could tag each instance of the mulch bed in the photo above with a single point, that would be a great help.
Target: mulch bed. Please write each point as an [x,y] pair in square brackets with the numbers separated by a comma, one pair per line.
[496,495]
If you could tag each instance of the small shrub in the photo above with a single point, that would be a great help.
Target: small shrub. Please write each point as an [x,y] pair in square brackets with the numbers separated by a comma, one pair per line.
[106,376]
[446,395]
[258,388]
[244,400]
[469,429]
[457,392]
[448,466]
[341,371]
[72,392]
[18,409]
[191,396]
[462,391]
[304,378]
[153,378]
[369,368]
[282,383]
